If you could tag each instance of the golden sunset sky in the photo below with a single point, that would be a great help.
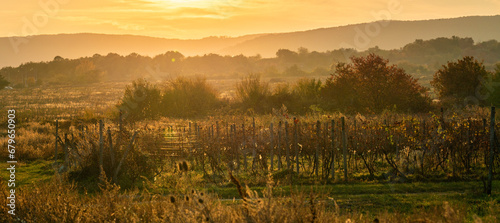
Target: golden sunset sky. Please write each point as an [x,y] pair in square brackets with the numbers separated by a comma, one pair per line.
[190,19]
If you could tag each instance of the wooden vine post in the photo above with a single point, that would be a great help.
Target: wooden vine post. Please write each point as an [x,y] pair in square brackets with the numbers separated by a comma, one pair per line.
[492,150]
[295,142]
[333,150]
[115,176]
[57,135]
[316,156]
[244,148]
[287,147]
[111,151]
[271,145]
[279,146]
[254,145]
[344,147]
[101,126]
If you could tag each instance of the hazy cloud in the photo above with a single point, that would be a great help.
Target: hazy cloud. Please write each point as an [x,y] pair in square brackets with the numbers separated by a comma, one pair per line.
[200,18]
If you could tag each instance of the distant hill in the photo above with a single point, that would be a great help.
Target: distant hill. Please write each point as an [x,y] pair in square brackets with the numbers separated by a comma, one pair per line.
[384,34]
[46,47]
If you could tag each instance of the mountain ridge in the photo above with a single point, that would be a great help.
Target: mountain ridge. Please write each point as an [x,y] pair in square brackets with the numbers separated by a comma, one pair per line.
[385,34]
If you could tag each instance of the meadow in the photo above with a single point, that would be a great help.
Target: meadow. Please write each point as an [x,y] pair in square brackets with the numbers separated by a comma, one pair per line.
[279,167]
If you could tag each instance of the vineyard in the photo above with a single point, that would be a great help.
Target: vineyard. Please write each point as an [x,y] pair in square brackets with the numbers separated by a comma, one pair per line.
[344,166]
[398,148]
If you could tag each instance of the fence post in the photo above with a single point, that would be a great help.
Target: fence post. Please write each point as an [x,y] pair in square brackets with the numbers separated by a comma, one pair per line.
[237,151]
[344,145]
[101,126]
[271,145]
[295,146]
[115,176]
[66,152]
[254,146]
[287,147]
[120,121]
[111,151]
[324,166]
[230,138]
[355,142]
[279,146]
[333,149]
[57,135]
[218,144]
[492,149]
[316,156]
[245,164]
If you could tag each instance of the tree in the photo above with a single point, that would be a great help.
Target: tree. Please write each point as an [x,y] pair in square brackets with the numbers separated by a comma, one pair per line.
[3,82]
[86,73]
[287,56]
[369,84]
[458,81]
[59,58]
[493,86]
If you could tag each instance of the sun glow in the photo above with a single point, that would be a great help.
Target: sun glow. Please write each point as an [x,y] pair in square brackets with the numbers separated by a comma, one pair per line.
[186,3]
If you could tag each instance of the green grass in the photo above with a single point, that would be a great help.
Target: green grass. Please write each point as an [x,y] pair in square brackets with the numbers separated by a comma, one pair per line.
[359,197]
[366,188]
[405,198]
[29,172]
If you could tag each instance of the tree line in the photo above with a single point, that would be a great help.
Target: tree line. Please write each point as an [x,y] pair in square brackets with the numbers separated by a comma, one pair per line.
[368,84]
[420,59]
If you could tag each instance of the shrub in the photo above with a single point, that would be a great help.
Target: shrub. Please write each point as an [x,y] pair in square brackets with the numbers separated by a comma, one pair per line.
[3,82]
[253,93]
[184,97]
[282,95]
[307,93]
[141,100]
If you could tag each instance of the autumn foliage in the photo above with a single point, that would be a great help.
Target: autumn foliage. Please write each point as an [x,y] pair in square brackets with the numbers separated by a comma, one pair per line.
[370,84]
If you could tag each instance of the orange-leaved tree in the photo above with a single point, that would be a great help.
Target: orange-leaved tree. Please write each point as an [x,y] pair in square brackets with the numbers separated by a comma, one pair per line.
[370,85]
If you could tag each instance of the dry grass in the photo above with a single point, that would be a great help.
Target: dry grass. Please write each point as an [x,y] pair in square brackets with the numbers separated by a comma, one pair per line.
[65,101]
[33,140]
[59,201]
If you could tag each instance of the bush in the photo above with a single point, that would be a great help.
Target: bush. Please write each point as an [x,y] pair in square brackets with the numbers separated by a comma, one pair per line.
[253,94]
[307,94]
[83,160]
[3,82]
[141,100]
[282,95]
[185,98]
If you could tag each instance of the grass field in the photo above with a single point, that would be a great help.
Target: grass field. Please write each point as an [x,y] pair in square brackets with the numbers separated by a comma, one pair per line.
[347,200]
[445,186]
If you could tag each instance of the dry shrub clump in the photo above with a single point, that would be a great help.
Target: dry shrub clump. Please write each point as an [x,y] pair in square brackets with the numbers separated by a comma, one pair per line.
[35,139]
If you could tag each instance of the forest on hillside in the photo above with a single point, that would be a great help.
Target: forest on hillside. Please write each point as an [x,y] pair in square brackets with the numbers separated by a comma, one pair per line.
[420,59]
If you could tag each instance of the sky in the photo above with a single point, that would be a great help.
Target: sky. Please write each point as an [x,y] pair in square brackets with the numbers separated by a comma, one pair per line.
[194,19]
